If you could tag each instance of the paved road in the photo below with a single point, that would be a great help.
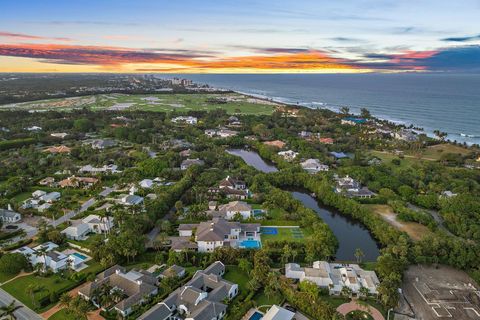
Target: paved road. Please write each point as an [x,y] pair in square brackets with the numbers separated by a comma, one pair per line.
[87,204]
[435,215]
[23,313]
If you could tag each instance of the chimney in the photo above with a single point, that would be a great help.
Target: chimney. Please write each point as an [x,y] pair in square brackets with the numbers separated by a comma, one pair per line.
[10,207]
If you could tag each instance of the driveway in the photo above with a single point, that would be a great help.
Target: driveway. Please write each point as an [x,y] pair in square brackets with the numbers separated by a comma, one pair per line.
[23,313]
[353,305]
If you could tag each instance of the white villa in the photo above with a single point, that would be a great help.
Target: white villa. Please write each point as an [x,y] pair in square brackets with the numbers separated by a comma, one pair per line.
[352,188]
[187,120]
[219,233]
[9,216]
[230,210]
[46,255]
[288,155]
[111,168]
[80,229]
[334,276]
[41,200]
[313,166]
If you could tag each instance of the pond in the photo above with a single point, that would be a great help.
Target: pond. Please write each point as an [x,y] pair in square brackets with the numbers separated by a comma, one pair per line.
[350,234]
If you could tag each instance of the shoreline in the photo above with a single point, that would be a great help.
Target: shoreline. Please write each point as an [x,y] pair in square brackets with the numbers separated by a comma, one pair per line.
[335,109]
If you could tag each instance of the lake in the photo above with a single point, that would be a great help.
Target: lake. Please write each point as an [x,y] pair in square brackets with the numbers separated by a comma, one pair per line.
[350,234]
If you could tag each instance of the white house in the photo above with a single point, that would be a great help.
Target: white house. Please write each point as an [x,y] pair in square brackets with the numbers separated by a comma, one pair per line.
[9,216]
[352,188]
[190,162]
[313,166]
[80,229]
[187,120]
[229,210]
[46,255]
[335,276]
[219,233]
[288,155]
[111,168]
[278,313]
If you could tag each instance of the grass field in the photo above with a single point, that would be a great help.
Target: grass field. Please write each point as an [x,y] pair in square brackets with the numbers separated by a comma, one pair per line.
[165,102]
[235,275]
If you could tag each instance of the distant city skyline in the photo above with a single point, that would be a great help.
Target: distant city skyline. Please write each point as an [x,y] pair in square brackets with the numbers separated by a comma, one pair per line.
[240,36]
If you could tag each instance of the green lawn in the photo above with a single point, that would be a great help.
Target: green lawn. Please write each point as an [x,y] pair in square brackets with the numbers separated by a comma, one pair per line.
[4,277]
[87,242]
[235,275]
[261,299]
[44,285]
[62,315]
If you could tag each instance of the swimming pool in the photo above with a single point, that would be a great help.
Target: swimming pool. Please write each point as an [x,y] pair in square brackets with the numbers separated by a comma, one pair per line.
[250,244]
[256,316]
[80,256]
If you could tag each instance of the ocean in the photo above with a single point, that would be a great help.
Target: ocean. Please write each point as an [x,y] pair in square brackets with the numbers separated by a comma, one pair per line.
[448,102]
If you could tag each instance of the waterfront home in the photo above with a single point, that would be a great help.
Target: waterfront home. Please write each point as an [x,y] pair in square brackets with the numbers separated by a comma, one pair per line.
[201,298]
[335,276]
[46,255]
[288,155]
[351,188]
[190,162]
[186,120]
[218,233]
[278,313]
[406,135]
[275,143]
[313,166]
[9,216]
[352,121]
[135,285]
[221,133]
[106,169]
[173,271]
[58,149]
[76,182]
[80,229]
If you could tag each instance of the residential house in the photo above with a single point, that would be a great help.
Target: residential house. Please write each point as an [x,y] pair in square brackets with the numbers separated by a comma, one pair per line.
[185,153]
[275,143]
[338,155]
[201,298]
[106,169]
[278,313]
[34,128]
[326,140]
[48,181]
[230,210]
[233,121]
[75,182]
[352,121]
[131,200]
[406,135]
[313,166]
[448,194]
[9,216]
[58,149]
[80,229]
[136,285]
[186,120]
[60,135]
[352,188]
[335,276]
[219,233]
[288,155]
[190,162]
[173,271]
[51,259]
[103,143]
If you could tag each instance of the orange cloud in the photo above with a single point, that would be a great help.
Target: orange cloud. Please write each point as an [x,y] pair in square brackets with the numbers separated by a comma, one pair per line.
[22,36]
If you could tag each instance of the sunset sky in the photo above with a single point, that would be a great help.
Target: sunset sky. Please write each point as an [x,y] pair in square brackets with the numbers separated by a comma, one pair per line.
[239,36]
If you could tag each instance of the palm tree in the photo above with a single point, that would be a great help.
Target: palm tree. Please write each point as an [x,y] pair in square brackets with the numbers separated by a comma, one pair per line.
[346,292]
[359,255]
[42,252]
[9,310]
[65,300]
[364,291]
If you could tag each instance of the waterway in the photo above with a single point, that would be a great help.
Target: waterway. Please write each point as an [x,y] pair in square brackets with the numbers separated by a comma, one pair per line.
[350,233]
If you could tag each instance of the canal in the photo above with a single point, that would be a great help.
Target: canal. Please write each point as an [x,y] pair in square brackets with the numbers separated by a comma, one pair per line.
[350,233]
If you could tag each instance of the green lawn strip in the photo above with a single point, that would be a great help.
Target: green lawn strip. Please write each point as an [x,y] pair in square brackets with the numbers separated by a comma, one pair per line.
[5,277]
[87,242]
[334,301]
